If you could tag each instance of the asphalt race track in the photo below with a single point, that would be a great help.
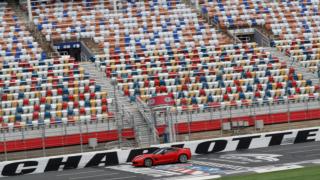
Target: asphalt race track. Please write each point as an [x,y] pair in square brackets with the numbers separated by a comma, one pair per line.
[200,167]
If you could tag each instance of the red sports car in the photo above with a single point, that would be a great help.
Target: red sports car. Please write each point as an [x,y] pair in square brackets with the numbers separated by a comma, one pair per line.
[163,156]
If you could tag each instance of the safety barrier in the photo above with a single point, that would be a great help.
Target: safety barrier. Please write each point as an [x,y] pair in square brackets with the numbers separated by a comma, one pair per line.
[181,128]
[114,157]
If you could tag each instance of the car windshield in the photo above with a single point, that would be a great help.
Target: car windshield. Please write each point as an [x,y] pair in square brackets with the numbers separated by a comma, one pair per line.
[158,151]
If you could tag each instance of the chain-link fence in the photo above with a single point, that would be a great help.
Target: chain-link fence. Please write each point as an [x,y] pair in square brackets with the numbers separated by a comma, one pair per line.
[55,139]
[216,121]
[184,124]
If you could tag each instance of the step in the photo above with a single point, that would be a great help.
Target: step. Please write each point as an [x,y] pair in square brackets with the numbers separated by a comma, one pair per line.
[140,123]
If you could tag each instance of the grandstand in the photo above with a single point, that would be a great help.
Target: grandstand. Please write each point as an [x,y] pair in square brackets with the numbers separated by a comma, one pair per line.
[88,69]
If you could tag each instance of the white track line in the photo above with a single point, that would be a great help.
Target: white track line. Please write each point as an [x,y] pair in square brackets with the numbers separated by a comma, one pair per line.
[226,160]
[87,177]
[303,151]
[316,162]
[125,177]
[76,173]
[274,169]
[287,148]
[194,177]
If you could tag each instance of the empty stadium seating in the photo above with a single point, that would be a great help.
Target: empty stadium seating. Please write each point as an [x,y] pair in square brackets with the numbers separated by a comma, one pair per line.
[293,24]
[35,89]
[151,48]
[162,47]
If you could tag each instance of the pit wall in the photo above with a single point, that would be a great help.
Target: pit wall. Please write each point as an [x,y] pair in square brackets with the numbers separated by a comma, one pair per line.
[118,156]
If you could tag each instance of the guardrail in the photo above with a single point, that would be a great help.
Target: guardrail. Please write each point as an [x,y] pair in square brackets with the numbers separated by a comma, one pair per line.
[147,114]
[120,156]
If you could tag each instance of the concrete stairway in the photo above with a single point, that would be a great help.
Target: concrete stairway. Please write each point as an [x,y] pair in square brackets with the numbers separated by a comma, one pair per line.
[93,46]
[132,116]
[38,36]
[283,58]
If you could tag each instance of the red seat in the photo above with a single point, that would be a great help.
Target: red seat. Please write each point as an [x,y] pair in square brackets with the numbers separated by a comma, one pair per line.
[36,107]
[26,102]
[43,100]
[104,101]
[82,111]
[59,91]
[225,97]
[49,93]
[71,97]
[86,89]
[92,95]
[81,96]
[104,108]
[4,97]
[75,104]
[35,115]
[64,105]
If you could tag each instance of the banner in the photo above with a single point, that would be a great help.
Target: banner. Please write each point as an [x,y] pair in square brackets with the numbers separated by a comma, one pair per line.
[160,101]
[115,157]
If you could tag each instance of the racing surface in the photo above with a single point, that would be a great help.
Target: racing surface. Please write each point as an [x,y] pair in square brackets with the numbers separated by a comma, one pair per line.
[200,167]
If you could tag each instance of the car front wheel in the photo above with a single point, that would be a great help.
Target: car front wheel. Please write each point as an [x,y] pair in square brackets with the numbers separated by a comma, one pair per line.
[183,158]
[148,162]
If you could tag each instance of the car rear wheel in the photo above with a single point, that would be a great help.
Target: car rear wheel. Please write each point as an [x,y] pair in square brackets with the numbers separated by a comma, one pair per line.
[183,158]
[148,162]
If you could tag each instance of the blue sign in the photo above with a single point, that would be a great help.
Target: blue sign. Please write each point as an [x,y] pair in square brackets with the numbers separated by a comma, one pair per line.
[67,45]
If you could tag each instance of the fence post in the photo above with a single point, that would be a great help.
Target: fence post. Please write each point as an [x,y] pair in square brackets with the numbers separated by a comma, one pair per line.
[230,112]
[211,116]
[189,128]
[288,112]
[307,110]
[221,120]
[81,138]
[173,126]
[24,142]
[43,140]
[5,145]
[63,132]
[119,130]
[254,113]
[108,124]
[269,108]
[176,124]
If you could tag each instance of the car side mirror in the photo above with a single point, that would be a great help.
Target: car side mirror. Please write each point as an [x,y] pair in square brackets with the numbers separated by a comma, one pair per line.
[163,153]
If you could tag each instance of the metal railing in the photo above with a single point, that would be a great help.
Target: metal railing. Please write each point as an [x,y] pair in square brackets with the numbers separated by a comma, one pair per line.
[285,110]
[28,142]
[56,139]
[148,116]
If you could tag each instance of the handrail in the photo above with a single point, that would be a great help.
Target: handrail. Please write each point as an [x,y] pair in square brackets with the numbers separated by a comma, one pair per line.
[265,39]
[143,108]
[262,34]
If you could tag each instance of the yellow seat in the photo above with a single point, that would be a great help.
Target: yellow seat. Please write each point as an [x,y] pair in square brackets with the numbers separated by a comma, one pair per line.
[104,94]
[59,106]
[76,91]
[93,110]
[93,103]
[76,84]
[58,113]
[14,103]
[12,118]
[49,100]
